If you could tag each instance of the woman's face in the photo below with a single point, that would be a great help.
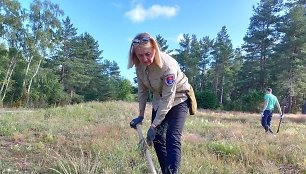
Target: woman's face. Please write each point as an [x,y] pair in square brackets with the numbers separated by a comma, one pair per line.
[145,55]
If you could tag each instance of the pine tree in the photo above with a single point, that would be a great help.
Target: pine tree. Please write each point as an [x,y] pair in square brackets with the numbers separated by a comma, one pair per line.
[188,57]
[260,40]
[67,34]
[82,64]
[194,58]
[162,43]
[206,47]
[222,61]
[290,57]
[183,53]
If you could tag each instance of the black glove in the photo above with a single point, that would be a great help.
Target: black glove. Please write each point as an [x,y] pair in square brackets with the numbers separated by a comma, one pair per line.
[136,121]
[151,135]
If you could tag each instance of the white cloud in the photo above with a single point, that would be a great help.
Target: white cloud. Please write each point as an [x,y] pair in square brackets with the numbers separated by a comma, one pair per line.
[140,14]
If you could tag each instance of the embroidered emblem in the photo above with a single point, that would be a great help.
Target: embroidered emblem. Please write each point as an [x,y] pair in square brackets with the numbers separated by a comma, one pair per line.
[169,79]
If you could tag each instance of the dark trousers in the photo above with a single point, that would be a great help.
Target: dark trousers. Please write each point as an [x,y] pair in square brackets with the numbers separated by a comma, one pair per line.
[266,120]
[167,142]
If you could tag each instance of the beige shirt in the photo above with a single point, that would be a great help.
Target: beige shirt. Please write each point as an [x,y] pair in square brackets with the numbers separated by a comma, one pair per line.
[168,84]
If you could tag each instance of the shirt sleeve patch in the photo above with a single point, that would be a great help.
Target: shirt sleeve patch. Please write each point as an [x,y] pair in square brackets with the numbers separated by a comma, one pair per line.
[169,79]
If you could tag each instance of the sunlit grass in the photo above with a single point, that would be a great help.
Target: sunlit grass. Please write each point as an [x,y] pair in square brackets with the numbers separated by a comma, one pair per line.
[96,138]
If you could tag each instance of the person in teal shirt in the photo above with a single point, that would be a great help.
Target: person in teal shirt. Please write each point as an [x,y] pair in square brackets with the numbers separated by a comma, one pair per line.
[267,110]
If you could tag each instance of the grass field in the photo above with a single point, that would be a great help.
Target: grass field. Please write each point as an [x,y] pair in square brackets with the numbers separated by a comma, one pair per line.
[96,138]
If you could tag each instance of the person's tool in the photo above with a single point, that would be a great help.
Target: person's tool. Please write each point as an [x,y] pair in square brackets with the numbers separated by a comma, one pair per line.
[279,123]
[143,145]
[280,120]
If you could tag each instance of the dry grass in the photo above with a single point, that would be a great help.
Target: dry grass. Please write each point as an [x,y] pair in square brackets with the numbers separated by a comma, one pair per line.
[96,138]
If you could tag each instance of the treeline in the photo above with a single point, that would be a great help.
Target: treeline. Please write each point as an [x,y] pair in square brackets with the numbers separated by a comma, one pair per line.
[44,62]
[273,55]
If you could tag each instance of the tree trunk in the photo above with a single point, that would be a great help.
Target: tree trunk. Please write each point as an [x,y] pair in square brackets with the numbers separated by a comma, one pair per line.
[202,79]
[262,72]
[8,80]
[34,75]
[62,74]
[222,89]
[291,89]
[6,76]
[304,108]
[216,83]
[27,71]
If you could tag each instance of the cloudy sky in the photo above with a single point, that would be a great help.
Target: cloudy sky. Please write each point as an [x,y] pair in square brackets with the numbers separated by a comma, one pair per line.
[113,23]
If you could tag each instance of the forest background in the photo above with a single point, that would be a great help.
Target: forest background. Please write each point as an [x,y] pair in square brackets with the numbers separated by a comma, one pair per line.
[45,63]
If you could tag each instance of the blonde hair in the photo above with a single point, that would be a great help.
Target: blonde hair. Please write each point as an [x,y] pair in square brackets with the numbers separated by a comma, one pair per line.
[133,60]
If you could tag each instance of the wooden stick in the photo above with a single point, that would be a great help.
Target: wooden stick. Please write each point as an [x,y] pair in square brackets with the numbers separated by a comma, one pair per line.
[148,156]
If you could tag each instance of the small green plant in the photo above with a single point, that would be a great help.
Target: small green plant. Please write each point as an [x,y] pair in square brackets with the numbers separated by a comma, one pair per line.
[7,127]
[222,149]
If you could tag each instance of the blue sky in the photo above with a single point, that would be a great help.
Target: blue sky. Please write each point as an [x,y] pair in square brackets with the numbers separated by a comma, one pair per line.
[113,23]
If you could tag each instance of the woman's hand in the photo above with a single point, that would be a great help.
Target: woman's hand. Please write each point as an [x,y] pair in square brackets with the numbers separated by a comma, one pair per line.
[135,121]
[151,134]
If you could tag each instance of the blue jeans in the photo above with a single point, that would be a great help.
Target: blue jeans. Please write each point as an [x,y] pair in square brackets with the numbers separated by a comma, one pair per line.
[167,142]
[266,120]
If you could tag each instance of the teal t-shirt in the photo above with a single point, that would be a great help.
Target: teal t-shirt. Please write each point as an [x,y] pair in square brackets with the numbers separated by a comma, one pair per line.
[272,101]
